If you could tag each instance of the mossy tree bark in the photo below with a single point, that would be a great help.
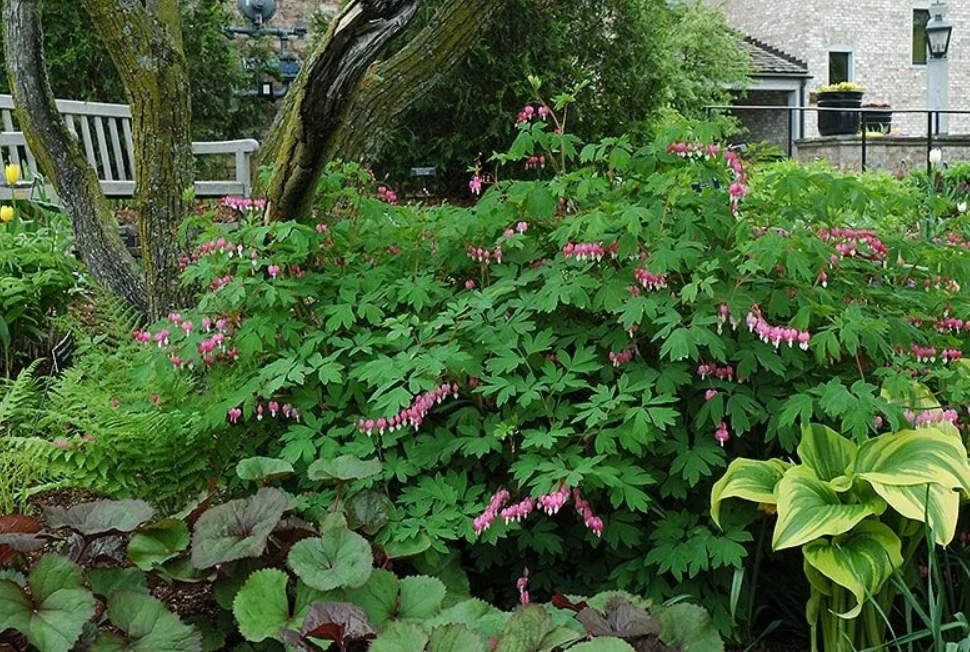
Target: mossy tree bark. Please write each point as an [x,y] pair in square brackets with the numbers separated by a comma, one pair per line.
[60,156]
[145,43]
[344,104]
[144,40]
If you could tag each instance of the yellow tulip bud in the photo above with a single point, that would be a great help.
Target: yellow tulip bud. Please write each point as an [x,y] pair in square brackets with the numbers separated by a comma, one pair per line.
[6,213]
[12,172]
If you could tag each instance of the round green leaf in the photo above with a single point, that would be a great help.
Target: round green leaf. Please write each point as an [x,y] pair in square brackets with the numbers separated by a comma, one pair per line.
[100,517]
[400,637]
[366,511]
[53,617]
[339,559]
[238,528]
[261,606]
[525,630]
[408,548]
[689,628]
[146,626]
[262,469]
[342,469]
[603,644]
[421,597]
[157,543]
[377,597]
[455,638]
[105,581]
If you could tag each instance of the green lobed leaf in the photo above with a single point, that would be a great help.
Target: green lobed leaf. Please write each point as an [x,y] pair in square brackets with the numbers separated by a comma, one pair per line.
[455,638]
[860,561]
[400,637]
[262,469]
[101,516]
[339,559]
[238,528]
[689,628]
[378,597]
[157,543]
[146,626]
[262,607]
[53,617]
[603,644]
[342,469]
[105,581]
[525,629]
[421,597]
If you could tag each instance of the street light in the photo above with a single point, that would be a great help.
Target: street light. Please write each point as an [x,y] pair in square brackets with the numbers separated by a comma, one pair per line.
[938,32]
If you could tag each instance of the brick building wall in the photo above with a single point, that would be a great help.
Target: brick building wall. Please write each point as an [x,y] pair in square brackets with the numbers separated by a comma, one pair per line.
[764,125]
[879,35]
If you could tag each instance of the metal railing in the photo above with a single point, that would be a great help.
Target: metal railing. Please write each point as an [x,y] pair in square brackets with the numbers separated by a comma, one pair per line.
[932,123]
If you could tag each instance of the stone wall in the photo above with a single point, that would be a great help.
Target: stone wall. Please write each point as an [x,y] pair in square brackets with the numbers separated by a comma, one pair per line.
[879,34]
[896,155]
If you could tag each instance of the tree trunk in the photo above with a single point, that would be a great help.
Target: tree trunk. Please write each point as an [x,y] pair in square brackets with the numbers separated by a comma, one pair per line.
[318,124]
[145,42]
[322,94]
[60,156]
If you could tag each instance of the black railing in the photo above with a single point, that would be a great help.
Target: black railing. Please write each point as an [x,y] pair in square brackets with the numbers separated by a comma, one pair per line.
[932,123]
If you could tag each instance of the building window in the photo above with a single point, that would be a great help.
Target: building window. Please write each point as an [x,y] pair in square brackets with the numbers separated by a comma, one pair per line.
[840,67]
[920,18]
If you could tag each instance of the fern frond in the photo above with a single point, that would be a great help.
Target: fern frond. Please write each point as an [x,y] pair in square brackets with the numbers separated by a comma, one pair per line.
[19,398]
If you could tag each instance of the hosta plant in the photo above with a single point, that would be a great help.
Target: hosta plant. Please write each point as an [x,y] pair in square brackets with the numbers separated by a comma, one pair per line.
[858,512]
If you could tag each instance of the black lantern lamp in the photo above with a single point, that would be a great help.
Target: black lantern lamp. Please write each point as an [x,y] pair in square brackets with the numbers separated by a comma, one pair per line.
[938,31]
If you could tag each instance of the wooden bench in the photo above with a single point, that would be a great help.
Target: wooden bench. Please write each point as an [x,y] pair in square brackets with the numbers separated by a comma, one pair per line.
[104,131]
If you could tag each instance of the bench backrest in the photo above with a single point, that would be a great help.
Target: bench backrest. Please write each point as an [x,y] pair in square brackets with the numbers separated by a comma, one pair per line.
[104,133]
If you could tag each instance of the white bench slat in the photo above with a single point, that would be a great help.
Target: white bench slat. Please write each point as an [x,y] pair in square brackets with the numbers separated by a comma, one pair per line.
[88,144]
[114,162]
[13,153]
[103,148]
[116,147]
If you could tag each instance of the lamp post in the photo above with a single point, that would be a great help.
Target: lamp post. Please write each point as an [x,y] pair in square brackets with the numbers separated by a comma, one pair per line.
[938,32]
[287,66]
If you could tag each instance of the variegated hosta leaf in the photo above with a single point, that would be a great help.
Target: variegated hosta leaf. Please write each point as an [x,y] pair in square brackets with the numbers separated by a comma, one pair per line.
[861,561]
[809,508]
[939,508]
[916,397]
[826,452]
[919,399]
[915,457]
[751,480]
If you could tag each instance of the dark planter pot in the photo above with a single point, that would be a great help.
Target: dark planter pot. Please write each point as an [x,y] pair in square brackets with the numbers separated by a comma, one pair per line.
[881,120]
[838,123]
